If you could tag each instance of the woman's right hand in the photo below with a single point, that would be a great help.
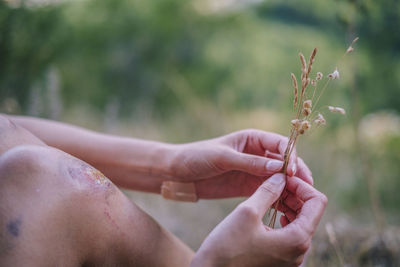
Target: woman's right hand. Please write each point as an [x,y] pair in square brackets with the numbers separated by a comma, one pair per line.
[242,239]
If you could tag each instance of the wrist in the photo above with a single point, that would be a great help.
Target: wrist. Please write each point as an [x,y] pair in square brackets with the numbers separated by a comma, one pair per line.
[158,161]
[137,164]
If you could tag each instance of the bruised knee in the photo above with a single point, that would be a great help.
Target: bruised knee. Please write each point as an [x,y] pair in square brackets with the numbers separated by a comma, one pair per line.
[43,165]
[50,200]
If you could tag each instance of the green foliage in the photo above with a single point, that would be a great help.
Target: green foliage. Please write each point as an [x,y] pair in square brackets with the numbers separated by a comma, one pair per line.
[30,41]
[163,52]
[143,51]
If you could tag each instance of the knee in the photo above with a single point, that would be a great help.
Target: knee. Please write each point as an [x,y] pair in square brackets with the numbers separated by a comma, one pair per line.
[25,164]
[28,166]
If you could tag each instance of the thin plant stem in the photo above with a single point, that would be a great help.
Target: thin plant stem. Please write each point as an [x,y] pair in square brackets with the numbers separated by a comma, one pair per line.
[322,91]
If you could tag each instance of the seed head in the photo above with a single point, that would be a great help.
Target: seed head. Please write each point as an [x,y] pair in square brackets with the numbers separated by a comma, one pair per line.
[313,82]
[295,123]
[337,110]
[296,90]
[310,62]
[334,75]
[350,49]
[305,125]
[306,111]
[320,120]
[307,104]
[303,65]
[319,76]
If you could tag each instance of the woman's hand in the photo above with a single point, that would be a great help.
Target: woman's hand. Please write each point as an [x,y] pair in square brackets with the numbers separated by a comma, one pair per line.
[242,239]
[235,164]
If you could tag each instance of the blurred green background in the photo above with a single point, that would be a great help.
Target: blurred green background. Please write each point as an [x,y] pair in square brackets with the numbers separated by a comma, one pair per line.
[180,71]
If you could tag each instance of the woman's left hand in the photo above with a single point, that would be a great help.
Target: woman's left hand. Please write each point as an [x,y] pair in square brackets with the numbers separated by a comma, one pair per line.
[235,164]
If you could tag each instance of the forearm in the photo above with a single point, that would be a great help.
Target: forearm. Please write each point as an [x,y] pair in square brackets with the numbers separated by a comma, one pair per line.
[131,163]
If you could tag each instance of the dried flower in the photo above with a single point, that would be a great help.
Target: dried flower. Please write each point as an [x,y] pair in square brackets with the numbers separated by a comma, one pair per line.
[306,111]
[307,104]
[313,82]
[334,75]
[337,110]
[320,120]
[351,49]
[303,108]
[295,123]
[305,125]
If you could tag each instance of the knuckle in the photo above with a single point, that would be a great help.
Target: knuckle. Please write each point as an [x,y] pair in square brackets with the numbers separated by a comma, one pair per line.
[323,198]
[247,212]
[268,189]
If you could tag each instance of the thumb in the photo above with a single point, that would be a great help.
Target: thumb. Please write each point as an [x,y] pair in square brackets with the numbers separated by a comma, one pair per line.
[253,164]
[267,194]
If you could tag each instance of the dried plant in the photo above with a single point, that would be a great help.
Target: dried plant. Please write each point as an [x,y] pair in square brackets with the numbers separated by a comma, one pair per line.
[305,109]
[333,240]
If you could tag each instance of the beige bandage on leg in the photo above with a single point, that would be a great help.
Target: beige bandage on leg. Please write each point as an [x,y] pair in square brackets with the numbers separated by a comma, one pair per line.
[179,191]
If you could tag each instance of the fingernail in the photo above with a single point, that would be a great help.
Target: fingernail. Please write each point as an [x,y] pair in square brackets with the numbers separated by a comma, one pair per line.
[278,178]
[274,165]
[294,169]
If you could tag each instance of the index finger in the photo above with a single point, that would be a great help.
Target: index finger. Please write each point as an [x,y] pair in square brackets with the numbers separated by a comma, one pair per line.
[313,207]
[274,143]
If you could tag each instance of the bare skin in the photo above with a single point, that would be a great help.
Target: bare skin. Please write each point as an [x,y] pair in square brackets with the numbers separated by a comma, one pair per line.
[58,210]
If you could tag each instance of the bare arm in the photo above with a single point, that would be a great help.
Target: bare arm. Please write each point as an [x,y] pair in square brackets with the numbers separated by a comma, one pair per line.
[228,166]
[131,163]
